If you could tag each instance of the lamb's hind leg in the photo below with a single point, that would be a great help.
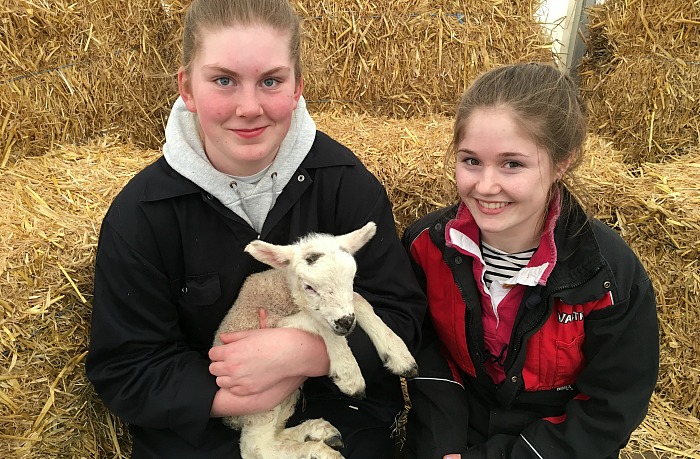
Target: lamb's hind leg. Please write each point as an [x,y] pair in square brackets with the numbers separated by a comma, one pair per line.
[318,430]
[315,430]
[391,349]
[263,436]
[281,446]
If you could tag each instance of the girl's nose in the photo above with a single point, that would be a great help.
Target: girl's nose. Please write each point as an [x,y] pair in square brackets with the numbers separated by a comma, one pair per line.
[247,103]
[487,182]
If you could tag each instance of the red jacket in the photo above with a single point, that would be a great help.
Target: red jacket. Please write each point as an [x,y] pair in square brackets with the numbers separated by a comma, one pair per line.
[581,361]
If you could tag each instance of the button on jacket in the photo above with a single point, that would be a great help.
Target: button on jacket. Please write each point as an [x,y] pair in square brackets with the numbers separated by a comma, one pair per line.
[583,355]
[170,264]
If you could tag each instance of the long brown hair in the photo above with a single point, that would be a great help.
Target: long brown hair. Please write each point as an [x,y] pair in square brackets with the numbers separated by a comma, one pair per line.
[546,105]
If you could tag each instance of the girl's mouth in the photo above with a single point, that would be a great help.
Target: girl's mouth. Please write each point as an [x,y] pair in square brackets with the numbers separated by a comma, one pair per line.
[249,133]
[492,205]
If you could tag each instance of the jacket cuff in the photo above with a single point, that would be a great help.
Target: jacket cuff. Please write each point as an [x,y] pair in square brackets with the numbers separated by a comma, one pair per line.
[190,412]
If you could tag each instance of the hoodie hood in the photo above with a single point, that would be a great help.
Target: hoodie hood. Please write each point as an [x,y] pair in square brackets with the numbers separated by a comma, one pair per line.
[249,198]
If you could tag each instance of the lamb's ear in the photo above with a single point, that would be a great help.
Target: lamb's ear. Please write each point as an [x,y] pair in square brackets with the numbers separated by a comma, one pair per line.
[277,256]
[352,242]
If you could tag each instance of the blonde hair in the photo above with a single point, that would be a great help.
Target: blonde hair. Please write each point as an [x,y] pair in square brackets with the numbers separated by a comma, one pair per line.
[216,14]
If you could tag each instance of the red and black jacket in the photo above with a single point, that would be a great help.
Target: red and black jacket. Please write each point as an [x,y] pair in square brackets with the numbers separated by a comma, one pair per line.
[582,360]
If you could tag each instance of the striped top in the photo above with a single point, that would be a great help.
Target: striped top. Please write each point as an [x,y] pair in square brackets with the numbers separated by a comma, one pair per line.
[501,265]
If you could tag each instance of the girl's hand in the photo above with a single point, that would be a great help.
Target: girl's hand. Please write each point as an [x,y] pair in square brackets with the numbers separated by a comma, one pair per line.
[227,404]
[453,456]
[254,361]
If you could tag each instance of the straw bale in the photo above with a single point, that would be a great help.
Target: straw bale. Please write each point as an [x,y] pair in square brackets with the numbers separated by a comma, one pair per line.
[49,228]
[656,208]
[72,70]
[402,58]
[49,224]
[641,75]
[405,155]
[665,433]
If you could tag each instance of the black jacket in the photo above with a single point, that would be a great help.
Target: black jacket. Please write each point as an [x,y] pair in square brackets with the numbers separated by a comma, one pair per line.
[576,399]
[170,263]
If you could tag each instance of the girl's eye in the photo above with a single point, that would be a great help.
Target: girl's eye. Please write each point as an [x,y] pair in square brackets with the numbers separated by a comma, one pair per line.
[471,161]
[513,164]
[224,81]
[269,82]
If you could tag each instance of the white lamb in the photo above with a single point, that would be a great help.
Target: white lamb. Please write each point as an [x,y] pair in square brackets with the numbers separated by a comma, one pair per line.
[310,288]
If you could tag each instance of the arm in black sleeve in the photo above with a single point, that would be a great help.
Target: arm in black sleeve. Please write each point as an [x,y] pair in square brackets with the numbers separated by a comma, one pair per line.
[138,361]
[438,417]
[438,420]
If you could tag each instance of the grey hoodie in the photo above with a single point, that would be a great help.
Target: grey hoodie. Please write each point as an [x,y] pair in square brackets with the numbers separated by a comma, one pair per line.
[251,198]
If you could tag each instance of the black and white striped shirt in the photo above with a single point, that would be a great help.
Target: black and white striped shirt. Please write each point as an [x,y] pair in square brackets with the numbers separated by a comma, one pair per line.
[502,265]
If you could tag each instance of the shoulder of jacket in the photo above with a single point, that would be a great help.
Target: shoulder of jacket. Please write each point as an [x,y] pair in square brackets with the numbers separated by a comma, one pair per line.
[326,152]
[616,252]
[602,261]
[156,182]
[436,219]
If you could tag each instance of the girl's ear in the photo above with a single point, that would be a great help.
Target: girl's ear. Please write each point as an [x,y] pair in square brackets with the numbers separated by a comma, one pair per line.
[185,87]
[564,166]
[298,90]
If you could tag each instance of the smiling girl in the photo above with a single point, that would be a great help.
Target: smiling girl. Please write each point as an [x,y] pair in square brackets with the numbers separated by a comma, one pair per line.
[242,161]
[542,337]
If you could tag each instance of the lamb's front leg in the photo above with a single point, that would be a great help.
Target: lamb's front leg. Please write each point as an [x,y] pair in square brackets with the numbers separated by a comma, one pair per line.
[344,370]
[391,349]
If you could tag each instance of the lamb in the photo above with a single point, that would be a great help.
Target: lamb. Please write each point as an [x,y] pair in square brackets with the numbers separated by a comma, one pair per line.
[310,288]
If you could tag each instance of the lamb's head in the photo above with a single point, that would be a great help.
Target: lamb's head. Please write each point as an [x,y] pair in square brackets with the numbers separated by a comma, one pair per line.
[320,270]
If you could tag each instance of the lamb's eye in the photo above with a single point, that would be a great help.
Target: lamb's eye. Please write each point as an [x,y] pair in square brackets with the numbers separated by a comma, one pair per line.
[312,257]
[309,289]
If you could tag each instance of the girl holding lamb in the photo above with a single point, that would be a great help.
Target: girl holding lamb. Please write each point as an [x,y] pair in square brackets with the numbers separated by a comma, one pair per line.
[541,339]
[242,161]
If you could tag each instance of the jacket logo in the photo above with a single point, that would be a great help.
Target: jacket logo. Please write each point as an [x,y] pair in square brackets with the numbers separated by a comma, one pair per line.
[565,318]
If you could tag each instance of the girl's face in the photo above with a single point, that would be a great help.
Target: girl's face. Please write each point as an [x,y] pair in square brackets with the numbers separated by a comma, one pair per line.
[242,87]
[504,179]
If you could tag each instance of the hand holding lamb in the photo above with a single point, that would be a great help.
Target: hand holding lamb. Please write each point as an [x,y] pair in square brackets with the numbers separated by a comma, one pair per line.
[310,288]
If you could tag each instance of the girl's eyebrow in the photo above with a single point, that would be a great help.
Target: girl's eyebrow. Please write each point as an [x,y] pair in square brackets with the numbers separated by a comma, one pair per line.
[506,154]
[220,69]
[512,154]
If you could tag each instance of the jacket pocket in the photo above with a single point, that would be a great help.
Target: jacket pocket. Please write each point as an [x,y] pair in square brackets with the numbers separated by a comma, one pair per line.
[201,290]
[569,361]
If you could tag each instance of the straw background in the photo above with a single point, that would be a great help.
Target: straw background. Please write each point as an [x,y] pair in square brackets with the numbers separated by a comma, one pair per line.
[650,48]
[85,90]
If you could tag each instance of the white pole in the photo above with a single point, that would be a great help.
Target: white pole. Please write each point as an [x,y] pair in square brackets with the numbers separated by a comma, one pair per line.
[567,22]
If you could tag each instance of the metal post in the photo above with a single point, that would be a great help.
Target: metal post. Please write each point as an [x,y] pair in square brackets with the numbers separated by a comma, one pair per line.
[577,33]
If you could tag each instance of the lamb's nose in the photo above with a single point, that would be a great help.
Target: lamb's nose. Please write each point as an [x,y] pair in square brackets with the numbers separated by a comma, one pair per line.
[345,324]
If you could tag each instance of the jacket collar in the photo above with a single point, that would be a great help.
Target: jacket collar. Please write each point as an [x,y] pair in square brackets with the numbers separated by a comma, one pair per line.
[463,233]
[165,183]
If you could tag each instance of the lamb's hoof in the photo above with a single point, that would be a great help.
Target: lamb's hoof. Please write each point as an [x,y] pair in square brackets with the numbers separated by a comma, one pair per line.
[411,372]
[401,363]
[354,388]
[335,442]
